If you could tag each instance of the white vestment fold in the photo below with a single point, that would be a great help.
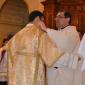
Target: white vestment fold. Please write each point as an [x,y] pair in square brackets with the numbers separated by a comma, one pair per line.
[66,70]
[81,52]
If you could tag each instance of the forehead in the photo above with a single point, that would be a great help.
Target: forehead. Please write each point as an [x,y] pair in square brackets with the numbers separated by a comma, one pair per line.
[60,14]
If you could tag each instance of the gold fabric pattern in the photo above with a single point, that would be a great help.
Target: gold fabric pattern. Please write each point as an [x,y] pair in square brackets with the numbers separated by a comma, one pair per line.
[22,57]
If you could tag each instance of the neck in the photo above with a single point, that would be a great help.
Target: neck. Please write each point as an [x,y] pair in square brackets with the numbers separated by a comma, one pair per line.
[35,23]
[64,26]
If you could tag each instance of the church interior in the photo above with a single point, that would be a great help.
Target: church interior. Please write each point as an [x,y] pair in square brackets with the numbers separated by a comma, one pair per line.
[14,16]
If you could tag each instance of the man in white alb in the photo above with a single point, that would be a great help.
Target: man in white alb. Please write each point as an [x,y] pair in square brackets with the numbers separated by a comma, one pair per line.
[66,70]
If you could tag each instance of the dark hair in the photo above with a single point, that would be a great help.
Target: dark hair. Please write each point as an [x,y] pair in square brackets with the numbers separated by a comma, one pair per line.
[9,36]
[34,14]
[67,15]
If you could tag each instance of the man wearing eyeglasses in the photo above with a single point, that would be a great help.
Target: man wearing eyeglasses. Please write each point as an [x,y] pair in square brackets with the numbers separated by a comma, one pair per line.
[64,71]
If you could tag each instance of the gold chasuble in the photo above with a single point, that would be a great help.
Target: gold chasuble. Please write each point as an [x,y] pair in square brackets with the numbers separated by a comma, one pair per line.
[27,53]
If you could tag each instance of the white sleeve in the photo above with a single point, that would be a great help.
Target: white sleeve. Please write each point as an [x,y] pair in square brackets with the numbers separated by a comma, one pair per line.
[81,50]
[55,36]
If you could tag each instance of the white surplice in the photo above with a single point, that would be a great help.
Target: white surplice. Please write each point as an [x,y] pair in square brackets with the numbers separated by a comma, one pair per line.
[68,72]
[81,52]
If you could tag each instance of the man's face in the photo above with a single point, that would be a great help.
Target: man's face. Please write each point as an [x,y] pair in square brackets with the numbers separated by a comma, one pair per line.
[42,19]
[60,20]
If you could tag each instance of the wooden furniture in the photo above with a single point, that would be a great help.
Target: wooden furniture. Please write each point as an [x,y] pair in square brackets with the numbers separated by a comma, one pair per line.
[75,7]
[50,9]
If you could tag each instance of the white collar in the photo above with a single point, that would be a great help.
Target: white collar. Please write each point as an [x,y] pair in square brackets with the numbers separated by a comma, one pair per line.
[30,24]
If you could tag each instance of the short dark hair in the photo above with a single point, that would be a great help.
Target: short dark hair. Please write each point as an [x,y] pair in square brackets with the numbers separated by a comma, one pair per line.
[67,15]
[34,14]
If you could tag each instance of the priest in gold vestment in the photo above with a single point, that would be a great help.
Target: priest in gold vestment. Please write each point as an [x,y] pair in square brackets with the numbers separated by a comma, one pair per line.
[28,51]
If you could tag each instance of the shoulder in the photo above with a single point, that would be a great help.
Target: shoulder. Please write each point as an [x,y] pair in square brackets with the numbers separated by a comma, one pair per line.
[72,27]
[73,31]
[24,30]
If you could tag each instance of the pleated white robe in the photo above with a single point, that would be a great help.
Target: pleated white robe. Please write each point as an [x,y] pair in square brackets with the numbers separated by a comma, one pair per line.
[68,72]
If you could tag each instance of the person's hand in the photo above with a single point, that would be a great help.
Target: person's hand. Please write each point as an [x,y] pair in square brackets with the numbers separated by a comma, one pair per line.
[42,26]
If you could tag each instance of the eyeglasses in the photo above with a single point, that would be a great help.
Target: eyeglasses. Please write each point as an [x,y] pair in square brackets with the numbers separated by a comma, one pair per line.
[60,16]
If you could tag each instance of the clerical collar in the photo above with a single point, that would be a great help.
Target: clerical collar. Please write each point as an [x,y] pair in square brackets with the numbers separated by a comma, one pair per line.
[30,24]
[65,26]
